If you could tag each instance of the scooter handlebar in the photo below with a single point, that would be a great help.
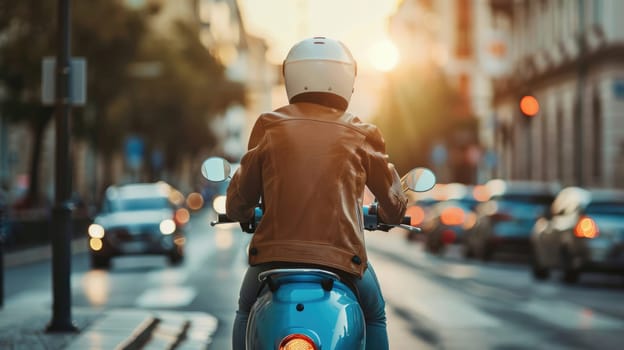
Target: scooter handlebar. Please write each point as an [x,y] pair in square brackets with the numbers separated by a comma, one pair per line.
[371,221]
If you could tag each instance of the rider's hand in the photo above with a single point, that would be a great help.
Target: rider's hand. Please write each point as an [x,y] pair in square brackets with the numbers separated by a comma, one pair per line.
[248,226]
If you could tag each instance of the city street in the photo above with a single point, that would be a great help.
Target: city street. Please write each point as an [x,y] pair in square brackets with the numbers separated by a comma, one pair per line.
[502,119]
[432,302]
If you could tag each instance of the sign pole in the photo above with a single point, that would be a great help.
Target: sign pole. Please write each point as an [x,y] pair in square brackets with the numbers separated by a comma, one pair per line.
[61,214]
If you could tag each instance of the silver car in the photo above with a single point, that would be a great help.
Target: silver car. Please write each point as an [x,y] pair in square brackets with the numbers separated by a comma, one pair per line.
[582,231]
[137,219]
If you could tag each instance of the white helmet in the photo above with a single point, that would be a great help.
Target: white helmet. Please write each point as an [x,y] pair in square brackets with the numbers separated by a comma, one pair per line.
[319,64]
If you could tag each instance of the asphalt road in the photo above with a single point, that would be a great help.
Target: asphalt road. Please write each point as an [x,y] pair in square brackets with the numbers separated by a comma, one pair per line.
[432,302]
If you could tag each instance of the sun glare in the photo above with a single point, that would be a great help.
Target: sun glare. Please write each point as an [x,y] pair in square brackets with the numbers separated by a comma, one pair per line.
[384,55]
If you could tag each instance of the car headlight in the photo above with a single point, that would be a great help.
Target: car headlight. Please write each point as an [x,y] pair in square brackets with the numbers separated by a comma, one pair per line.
[167,227]
[96,231]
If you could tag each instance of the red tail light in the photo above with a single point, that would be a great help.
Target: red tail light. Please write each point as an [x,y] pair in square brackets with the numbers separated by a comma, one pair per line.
[448,236]
[297,342]
[452,216]
[586,228]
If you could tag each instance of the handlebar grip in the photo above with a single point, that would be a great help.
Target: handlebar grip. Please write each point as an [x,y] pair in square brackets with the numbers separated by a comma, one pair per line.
[407,220]
[224,218]
[221,219]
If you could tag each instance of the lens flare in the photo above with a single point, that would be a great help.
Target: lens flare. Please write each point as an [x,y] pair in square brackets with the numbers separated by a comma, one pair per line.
[384,55]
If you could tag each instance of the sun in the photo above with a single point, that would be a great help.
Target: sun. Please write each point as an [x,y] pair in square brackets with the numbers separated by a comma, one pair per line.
[384,55]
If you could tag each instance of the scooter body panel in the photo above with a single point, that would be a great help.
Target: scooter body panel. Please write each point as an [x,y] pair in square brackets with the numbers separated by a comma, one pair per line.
[333,319]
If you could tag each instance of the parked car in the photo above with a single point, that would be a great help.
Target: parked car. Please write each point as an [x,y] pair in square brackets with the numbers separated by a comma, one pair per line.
[449,219]
[137,219]
[583,230]
[504,222]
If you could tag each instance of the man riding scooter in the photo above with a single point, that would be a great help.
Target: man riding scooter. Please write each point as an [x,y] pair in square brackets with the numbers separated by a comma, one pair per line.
[308,164]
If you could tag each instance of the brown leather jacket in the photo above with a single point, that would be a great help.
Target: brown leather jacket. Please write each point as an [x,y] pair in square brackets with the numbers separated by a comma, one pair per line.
[310,164]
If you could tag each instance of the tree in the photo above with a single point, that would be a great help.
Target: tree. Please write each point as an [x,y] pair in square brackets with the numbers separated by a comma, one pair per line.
[171,110]
[416,111]
[110,41]
[27,36]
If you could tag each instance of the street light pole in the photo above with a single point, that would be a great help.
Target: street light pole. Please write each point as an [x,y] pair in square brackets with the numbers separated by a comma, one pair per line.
[61,215]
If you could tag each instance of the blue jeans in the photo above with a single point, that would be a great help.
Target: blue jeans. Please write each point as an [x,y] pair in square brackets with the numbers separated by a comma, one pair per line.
[371,301]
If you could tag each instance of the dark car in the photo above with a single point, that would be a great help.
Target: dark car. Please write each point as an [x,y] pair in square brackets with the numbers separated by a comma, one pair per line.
[583,230]
[419,209]
[504,222]
[137,219]
[449,219]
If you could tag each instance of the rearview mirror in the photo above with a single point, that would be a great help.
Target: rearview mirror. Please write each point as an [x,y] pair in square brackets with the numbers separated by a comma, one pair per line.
[216,169]
[419,180]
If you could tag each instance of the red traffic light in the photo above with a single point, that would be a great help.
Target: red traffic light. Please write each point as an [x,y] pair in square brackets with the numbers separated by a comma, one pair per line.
[529,106]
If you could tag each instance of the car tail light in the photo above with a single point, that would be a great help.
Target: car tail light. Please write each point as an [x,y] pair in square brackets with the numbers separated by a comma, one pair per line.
[452,216]
[297,342]
[480,193]
[416,214]
[181,216]
[586,228]
[448,236]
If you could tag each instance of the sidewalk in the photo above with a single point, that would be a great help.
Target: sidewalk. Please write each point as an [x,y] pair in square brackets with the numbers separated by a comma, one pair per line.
[23,324]
[24,328]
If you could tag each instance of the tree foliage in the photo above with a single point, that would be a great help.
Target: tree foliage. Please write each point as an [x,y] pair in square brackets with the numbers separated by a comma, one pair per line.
[106,34]
[26,36]
[170,112]
[417,110]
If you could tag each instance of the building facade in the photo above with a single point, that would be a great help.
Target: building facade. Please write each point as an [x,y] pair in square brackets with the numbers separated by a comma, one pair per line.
[244,56]
[569,54]
[453,36]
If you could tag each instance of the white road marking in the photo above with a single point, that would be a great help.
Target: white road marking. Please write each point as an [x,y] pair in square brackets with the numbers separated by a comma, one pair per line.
[168,276]
[166,297]
[570,316]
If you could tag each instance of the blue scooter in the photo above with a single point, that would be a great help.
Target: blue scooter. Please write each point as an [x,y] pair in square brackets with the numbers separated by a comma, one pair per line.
[306,308]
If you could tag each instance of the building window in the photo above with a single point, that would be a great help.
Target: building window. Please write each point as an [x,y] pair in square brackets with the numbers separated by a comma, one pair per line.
[559,143]
[597,138]
[463,47]
[544,147]
[464,90]
[597,8]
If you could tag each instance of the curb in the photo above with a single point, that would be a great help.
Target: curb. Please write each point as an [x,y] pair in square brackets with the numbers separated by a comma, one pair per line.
[182,335]
[140,335]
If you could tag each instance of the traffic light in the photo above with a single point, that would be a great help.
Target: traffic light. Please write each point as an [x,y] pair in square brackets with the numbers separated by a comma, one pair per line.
[529,106]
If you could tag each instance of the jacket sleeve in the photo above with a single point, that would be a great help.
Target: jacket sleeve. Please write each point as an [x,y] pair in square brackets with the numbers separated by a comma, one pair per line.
[384,181]
[245,188]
